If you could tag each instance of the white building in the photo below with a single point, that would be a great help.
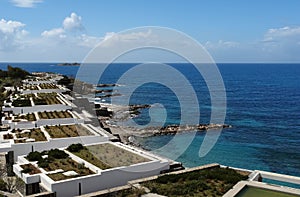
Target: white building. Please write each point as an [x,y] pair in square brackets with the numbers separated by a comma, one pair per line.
[100,178]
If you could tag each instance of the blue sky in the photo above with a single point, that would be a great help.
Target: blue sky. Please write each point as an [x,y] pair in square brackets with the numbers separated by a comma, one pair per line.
[231,31]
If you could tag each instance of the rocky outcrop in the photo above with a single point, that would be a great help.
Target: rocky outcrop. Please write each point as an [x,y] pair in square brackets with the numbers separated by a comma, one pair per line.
[173,129]
[135,109]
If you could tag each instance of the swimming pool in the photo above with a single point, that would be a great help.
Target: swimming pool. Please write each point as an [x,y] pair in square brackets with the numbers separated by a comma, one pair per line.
[250,191]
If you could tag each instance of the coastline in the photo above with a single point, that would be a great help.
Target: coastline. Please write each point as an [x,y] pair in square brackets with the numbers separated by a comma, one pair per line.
[129,134]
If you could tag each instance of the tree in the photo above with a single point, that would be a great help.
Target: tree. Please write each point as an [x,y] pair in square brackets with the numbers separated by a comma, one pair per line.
[16,72]
[9,183]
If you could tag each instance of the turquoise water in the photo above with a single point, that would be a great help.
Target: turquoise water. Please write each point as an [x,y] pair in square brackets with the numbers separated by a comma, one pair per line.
[262,106]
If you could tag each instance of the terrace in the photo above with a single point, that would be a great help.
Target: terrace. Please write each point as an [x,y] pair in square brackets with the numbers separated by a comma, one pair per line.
[30,169]
[25,135]
[28,117]
[19,118]
[22,102]
[54,115]
[61,171]
[58,165]
[30,87]
[108,155]
[48,86]
[214,181]
[64,131]
[46,99]
[28,135]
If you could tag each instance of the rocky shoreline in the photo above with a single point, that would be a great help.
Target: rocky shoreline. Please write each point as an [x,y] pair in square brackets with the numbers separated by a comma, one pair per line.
[113,119]
[173,129]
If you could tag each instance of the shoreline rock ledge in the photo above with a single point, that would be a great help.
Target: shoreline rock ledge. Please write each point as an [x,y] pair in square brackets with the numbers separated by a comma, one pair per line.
[173,129]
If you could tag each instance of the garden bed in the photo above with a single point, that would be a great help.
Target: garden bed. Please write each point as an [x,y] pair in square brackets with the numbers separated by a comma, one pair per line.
[30,169]
[26,96]
[58,159]
[8,136]
[208,182]
[30,87]
[35,134]
[82,152]
[112,155]
[48,86]
[46,99]
[29,117]
[21,103]
[67,131]
[54,115]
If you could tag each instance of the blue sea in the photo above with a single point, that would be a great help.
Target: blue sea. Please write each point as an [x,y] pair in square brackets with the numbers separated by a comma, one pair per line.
[263,107]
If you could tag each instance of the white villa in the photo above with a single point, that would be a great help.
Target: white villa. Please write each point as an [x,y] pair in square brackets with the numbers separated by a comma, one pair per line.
[125,164]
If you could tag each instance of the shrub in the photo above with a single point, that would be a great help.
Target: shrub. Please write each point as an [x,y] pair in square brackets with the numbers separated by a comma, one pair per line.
[45,152]
[75,147]
[57,154]
[34,156]
[26,170]
[43,163]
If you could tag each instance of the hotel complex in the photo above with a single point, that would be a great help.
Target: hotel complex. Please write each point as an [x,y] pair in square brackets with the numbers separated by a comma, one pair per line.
[43,117]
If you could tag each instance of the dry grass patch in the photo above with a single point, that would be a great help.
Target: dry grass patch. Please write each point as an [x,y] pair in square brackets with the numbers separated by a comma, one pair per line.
[30,169]
[115,156]
[67,131]
[54,115]
[67,165]
[48,86]
[36,134]
[29,117]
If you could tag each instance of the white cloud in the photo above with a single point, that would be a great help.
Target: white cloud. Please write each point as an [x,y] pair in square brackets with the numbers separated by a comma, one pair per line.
[143,37]
[65,34]
[275,45]
[73,22]
[54,33]
[11,34]
[109,35]
[282,43]
[69,42]
[221,45]
[283,32]
[88,41]
[10,26]
[26,3]
[70,24]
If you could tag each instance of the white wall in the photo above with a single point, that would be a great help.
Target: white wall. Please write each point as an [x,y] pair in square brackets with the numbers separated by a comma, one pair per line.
[104,180]
[37,108]
[25,148]
[27,178]
[43,91]
[43,122]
